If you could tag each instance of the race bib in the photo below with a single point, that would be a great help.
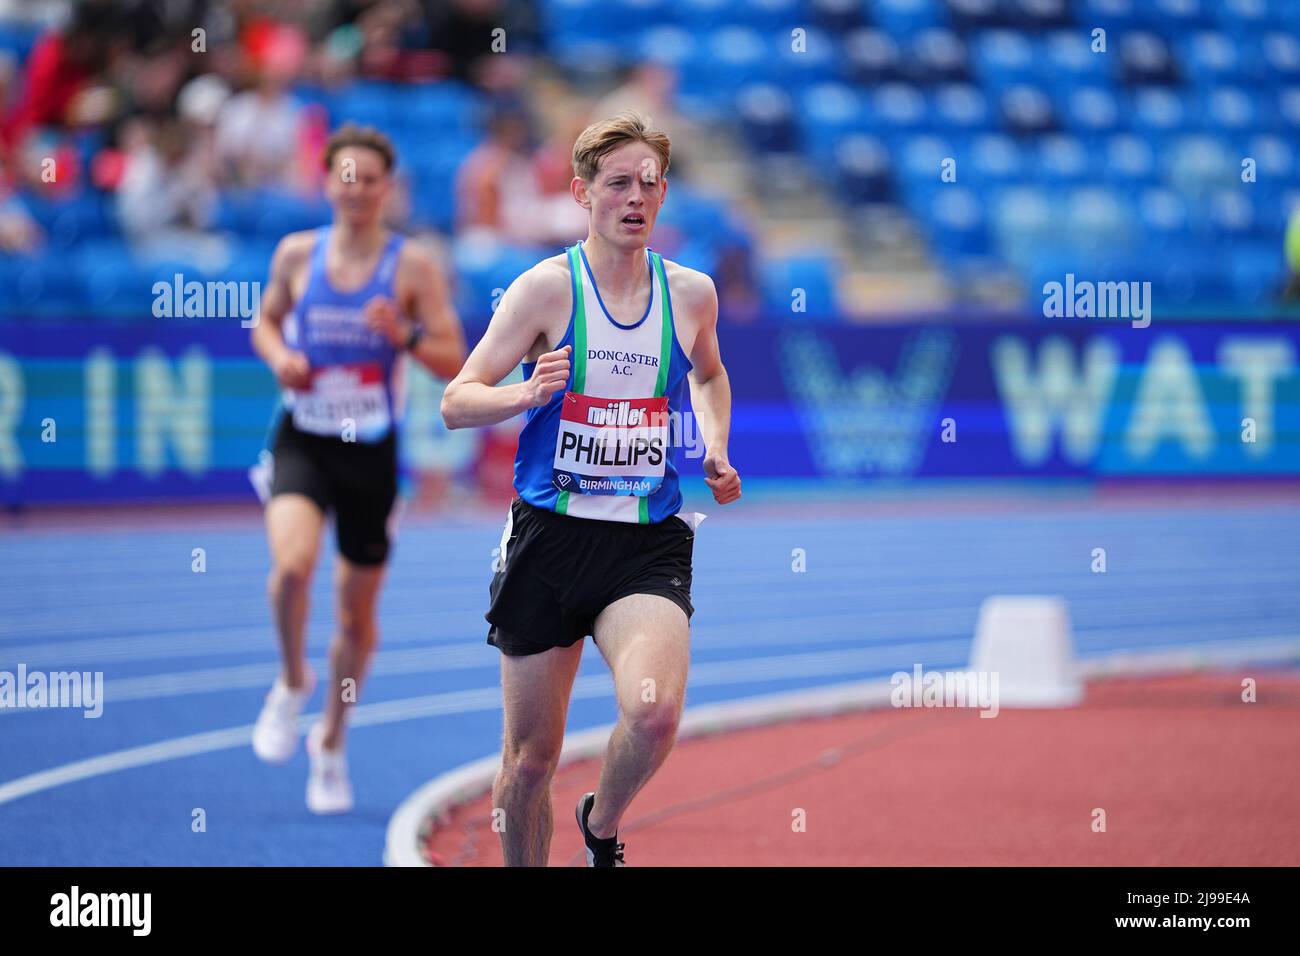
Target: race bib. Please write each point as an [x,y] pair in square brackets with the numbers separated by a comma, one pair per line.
[611,446]
[343,393]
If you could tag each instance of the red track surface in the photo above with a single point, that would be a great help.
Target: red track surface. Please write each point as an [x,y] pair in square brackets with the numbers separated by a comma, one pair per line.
[1186,772]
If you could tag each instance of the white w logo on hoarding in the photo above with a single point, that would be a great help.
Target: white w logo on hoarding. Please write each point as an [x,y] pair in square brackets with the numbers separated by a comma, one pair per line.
[863,422]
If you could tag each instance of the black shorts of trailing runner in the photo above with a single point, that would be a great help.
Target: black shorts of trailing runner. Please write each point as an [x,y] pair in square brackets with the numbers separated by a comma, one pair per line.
[355,480]
[559,572]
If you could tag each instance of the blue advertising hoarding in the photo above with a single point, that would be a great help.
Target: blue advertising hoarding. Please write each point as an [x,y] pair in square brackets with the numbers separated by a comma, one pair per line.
[181,411]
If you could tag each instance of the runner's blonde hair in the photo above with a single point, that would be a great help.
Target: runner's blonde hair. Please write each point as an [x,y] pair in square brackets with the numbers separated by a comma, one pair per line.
[600,139]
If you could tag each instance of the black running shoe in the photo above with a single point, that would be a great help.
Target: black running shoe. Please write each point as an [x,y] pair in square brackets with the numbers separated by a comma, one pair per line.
[599,852]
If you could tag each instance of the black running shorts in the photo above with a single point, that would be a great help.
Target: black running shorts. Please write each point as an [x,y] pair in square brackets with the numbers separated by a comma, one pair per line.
[357,481]
[559,572]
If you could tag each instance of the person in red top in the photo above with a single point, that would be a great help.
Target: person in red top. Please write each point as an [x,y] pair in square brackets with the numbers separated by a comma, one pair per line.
[61,67]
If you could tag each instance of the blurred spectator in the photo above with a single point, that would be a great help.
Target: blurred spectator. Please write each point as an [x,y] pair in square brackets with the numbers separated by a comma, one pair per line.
[258,131]
[59,87]
[651,90]
[167,197]
[19,232]
[492,175]
[554,217]
[480,39]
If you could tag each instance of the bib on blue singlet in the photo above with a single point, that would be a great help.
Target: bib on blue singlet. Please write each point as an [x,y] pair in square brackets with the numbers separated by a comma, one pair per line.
[342,393]
[611,446]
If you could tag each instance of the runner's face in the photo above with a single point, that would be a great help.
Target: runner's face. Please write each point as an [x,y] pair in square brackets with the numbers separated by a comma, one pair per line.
[625,197]
[358,185]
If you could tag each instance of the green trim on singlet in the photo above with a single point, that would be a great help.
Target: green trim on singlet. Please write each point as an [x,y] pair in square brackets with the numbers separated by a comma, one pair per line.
[579,347]
[579,324]
[666,325]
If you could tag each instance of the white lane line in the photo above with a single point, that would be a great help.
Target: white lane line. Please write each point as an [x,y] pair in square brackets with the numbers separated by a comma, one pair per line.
[1122,602]
[410,708]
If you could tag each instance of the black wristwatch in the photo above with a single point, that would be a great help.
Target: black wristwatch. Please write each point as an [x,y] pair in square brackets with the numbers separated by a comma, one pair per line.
[416,333]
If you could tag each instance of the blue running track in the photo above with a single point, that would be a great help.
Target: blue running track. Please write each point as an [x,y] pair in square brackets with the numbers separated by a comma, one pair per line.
[187,657]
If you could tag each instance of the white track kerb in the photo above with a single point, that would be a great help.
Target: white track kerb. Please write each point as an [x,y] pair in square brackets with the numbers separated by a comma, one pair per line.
[470,781]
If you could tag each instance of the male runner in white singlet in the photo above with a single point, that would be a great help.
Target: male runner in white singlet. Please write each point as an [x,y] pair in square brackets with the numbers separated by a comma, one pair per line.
[610,333]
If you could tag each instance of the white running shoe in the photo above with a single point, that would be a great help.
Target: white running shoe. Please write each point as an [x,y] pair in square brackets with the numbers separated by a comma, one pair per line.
[328,788]
[275,736]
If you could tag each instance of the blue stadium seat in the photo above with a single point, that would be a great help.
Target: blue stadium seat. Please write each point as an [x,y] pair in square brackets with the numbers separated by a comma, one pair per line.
[484,269]
[736,55]
[871,57]
[828,113]
[1089,109]
[1068,54]
[1004,58]
[905,17]
[972,15]
[269,212]
[1037,16]
[1145,60]
[1128,160]
[1027,110]
[1061,158]
[1275,158]
[957,225]
[1288,110]
[367,102]
[697,15]
[589,18]
[70,219]
[1229,109]
[1020,218]
[767,118]
[1280,53]
[1163,216]
[812,273]
[1177,16]
[919,166]
[1100,221]
[937,55]
[960,107]
[1213,57]
[1244,16]
[1113,16]
[667,44]
[811,57]
[862,169]
[1158,110]
[837,16]
[770,16]
[898,106]
[17,39]
[997,159]
[1256,271]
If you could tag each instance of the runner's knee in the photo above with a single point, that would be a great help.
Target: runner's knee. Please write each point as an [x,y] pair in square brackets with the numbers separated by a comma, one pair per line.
[356,621]
[655,719]
[289,576]
[530,765]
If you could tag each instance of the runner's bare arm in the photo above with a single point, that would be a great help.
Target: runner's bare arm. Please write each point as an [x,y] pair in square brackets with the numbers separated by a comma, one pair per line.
[442,348]
[710,387]
[290,367]
[473,398]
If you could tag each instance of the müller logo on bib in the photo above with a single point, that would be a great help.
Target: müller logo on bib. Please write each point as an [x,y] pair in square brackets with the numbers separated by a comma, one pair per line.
[611,446]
